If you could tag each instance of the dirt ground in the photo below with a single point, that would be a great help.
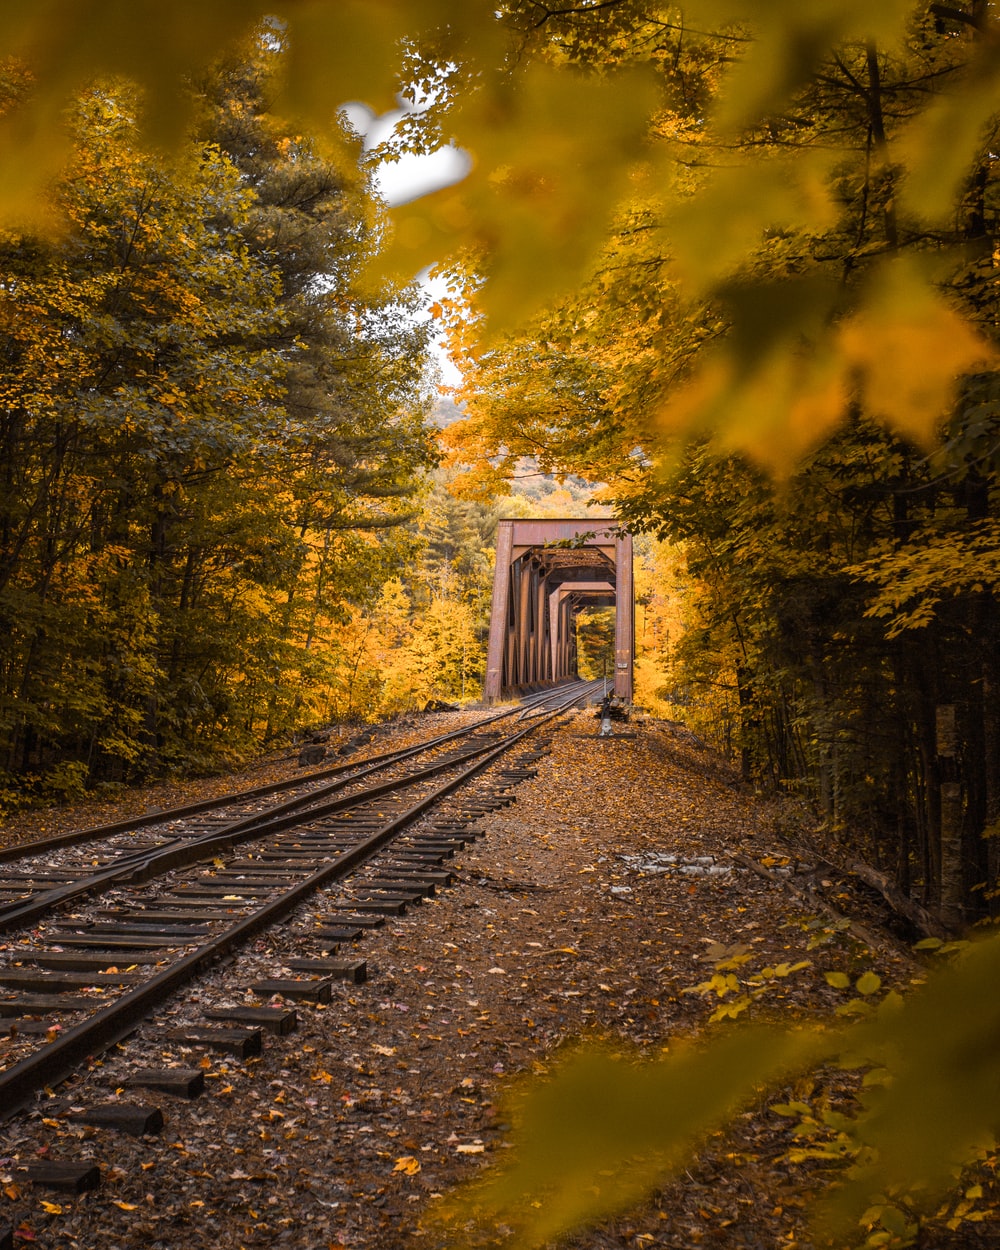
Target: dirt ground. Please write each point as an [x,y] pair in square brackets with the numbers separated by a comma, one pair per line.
[569,919]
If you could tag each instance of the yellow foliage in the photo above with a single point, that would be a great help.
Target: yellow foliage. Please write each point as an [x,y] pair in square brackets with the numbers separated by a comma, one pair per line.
[900,357]
[562,134]
[552,156]
[910,349]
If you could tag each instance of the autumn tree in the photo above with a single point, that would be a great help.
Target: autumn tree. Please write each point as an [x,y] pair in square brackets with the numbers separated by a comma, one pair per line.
[832,318]
[124,355]
[207,426]
[355,395]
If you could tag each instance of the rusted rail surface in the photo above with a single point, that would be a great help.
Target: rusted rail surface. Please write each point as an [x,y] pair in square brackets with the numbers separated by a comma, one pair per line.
[169,921]
[33,890]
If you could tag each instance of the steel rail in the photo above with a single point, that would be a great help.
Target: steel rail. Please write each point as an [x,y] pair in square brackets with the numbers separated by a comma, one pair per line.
[182,853]
[135,866]
[41,846]
[57,1059]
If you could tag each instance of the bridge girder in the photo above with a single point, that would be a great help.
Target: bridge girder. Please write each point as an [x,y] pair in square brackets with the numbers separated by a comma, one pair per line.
[545,571]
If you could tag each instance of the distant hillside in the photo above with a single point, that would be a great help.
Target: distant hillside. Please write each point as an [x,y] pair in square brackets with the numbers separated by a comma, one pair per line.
[446,412]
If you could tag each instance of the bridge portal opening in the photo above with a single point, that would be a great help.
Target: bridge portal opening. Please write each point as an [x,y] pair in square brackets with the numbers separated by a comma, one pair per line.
[595,642]
[553,579]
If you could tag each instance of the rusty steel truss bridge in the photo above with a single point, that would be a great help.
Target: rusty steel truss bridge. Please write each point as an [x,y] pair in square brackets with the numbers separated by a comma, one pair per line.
[546,572]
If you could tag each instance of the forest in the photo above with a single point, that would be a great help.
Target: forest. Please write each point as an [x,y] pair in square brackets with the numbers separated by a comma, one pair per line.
[228,512]
[727,271]
[224,520]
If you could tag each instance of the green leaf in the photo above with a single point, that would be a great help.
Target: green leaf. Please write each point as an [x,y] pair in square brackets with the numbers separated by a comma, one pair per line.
[839,980]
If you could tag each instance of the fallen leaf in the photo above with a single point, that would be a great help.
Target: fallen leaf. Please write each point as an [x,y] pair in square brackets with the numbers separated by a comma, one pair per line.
[407,1165]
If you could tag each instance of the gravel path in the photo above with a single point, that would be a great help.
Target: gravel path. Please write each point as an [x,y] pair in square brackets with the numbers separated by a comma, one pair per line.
[587,908]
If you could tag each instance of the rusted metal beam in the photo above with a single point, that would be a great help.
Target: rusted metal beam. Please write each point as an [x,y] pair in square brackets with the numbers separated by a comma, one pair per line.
[540,565]
[624,617]
[498,612]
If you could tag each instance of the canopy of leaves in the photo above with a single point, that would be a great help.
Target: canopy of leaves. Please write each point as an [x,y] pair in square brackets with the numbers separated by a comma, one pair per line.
[807,173]
[207,422]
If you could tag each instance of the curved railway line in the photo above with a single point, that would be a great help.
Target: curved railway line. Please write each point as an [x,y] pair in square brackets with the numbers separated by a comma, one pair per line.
[102,927]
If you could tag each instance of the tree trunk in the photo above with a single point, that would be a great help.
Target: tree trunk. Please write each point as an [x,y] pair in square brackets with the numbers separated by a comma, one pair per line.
[952,895]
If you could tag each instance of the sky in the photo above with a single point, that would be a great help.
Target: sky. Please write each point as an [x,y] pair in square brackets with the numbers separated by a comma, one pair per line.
[411,176]
[407,179]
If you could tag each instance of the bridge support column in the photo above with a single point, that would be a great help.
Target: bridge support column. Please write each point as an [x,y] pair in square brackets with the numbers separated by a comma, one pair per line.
[624,618]
[498,613]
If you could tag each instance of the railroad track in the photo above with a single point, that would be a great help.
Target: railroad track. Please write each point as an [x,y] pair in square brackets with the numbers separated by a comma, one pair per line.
[103,927]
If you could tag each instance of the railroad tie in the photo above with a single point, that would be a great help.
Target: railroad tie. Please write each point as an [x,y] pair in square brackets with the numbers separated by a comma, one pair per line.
[126,944]
[353,970]
[142,928]
[57,982]
[312,989]
[83,962]
[178,1082]
[27,1025]
[184,916]
[277,1020]
[130,1118]
[390,892]
[74,1178]
[381,907]
[352,921]
[243,1043]
[399,885]
[28,1004]
[410,873]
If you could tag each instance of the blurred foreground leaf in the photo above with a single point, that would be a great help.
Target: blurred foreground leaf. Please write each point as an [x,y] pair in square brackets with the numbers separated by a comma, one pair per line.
[552,152]
[339,50]
[605,1130]
[791,365]
[941,1046]
[771,141]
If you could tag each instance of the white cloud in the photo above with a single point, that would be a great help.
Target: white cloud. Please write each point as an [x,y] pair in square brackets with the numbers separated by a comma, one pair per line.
[411,176]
